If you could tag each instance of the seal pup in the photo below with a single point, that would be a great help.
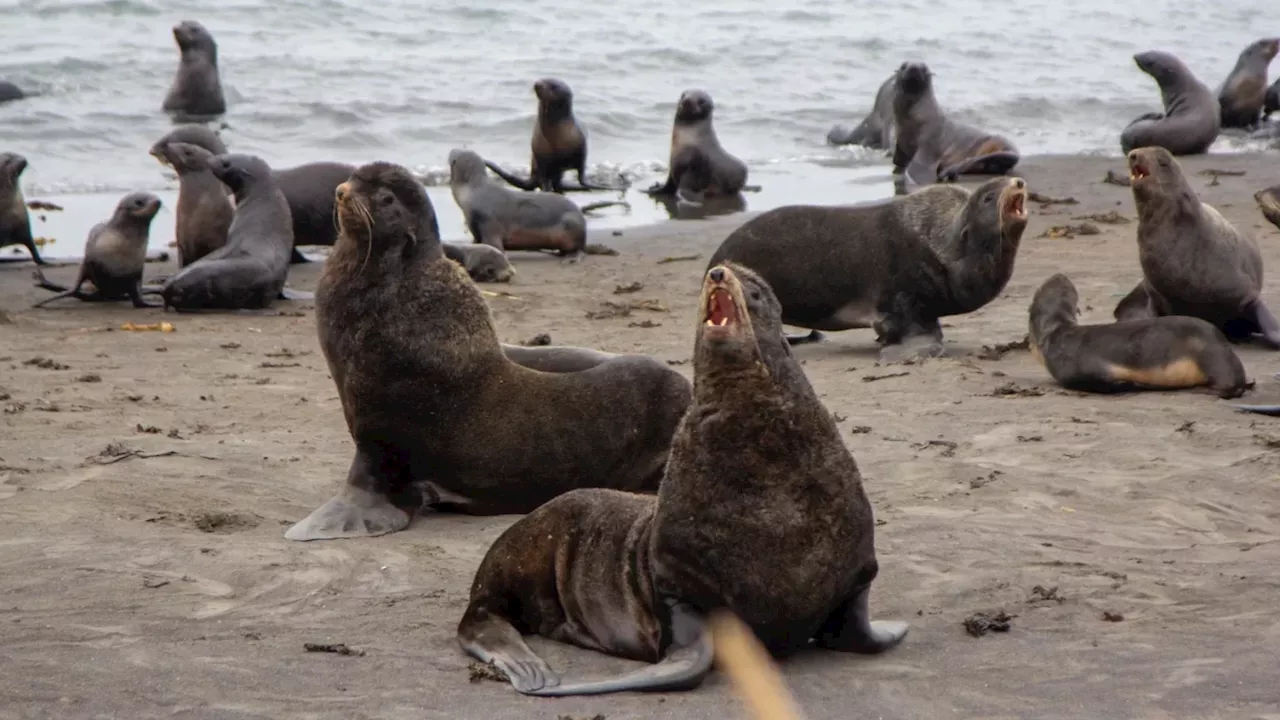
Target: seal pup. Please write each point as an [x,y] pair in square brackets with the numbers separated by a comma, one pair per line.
[418,384]
[930,147]
[196,90]
[761,513]
[15,224]
[10,92]
[1243,94]
[1194,262]
[895,266]
[699,166]
[249,271]
[876,129]
[114,255]
[1161,353]
[1189,124]
[1269,203]
[204,212]
[484,263]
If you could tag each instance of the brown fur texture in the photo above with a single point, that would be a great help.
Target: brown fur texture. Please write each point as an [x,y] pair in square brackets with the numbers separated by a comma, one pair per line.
[700,167]
[204,212]
[15,224]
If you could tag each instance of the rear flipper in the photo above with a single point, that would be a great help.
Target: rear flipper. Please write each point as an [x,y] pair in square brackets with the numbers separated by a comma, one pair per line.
[1259,409]
[135,294]
[850,628]
[813,337]
[605,204]
[999,163]
[1268,326]
[492,639]
[47,284]
[522,183]
[288,294]
[1135,306]
[297,257]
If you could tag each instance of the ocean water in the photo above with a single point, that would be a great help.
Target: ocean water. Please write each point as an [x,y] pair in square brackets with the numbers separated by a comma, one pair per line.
[407,80]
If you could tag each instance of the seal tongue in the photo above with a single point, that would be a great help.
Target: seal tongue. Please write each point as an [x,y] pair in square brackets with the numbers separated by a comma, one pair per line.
[720,308]
[1137,170]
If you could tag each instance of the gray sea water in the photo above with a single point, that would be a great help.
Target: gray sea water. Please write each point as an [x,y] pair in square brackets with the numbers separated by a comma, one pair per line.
[407,80]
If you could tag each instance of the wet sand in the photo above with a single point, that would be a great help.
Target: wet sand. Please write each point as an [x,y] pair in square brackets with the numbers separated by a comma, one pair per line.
[146,480]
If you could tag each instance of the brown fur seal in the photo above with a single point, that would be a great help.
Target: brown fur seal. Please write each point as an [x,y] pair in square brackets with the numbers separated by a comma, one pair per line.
[1189,124]
[929,147]
[114,255]
[418,384]
[1161,353]
[15,224]
[309,190]
[699,166]
[1243,94]
[197,90]
[1194,262]
[1272,102]
[1269,203]
[876,129]
[204,212]
[201,136]
[484,263]
[895,266]
[761,513]
[10,92]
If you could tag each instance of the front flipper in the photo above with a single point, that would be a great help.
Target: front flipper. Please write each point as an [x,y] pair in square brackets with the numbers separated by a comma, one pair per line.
[1268,326]
[492,639]
[813,337]
[999,163]
[1136,305]
[527,184]
[289,294]
[365,506]
[850,628]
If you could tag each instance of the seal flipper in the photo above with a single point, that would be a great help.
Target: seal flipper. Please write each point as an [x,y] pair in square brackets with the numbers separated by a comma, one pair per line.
[290,294]
[524,184]
[998,163]
[363,508]
[297,257]
[1134,306]
[813,337]
[135,294]
[851,629]
[1259,409]
[492,639]
[1268,326]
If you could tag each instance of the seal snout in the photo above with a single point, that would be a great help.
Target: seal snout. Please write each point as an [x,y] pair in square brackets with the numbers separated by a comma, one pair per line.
[340,193]
[1015,199]
[720,308]
[1138,169]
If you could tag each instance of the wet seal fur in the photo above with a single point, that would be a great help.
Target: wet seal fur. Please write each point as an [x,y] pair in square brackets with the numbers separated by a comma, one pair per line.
[1243,95]
[1194,262]
[204,211]
[699,166]
[1161,353]
[1189,123]
[484,263]
[930,147]
[896,266]
[876,129]
[761,513]
[420,384]
[15,224]
[196,90]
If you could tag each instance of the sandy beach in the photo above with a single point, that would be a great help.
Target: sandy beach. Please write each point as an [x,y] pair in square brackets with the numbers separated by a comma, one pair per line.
[146,480]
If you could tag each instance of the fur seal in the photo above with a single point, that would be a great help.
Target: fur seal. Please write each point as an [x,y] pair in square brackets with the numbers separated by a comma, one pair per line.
[761,513]
[1160,353]
[1242,95]
[484,263]
[930,147]
[196,90]
[1194,262]
[114,255]
[249,271]
[876,129]
[417,384]
[1272,102]
[1189,124]
[204,212]
[896,265]
[309,190]
[1269,203]
[15,224]
[699,166]
[9,92]
[201,136]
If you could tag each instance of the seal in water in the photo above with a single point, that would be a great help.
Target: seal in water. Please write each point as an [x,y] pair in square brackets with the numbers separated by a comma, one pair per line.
[1194,262]
[699,166]
[15,224]
[1269,203]
[931,147]
[248,272]
[876,130]
[895,266]
[309,190]
[204,212]
[1243,94]
[1147,354]
[1189,124]
[484,263]
[114,255]
[761,513]
[9,92]
[196,90]
[418,383]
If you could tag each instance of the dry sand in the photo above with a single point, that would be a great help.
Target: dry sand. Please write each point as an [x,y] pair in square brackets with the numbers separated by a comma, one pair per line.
[159,585]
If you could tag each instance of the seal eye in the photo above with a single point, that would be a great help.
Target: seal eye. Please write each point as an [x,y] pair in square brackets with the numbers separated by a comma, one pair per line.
[386,199]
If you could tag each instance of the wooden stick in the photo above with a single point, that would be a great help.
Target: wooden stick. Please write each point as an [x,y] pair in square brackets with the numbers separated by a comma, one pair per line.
[749,667]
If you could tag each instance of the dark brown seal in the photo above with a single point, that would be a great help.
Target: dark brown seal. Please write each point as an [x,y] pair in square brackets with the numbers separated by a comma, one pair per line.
[1272,102]
[418,383]
[197,89]
[1161,353]
[309,190]
[204,211]
[1194,262]
[114,255]
[930,147]
[1269,203]
[895,266]
[1189,123]
[876,129]
[761,513]
[15,224]
[1243,94]
[699,166]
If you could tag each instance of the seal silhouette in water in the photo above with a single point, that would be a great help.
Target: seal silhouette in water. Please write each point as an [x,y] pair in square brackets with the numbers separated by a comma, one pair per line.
[1189,124]
[699,166]
[196,91]
[114,255]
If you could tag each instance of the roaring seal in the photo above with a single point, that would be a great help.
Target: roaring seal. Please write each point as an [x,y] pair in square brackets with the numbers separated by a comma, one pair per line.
[1269,203]
[876,129]
[309,190]
[895,266]
[761,512]
[484,263]
[9,91]
[249,271]
[1189,124]
[15,224]
[114,255]
[699,166]
[196,90]
[1243,94]
[930,147]
[204,212]
[420,382]
[1150,353]
[1194,262]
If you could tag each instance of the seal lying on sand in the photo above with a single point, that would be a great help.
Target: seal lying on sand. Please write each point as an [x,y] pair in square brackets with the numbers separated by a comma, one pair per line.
[1243,94]
[1152,353]
[114,255]
[876,130]
[929,147]
[1269,203]
[196,89]
[15,224]
[895,266]
[761,512]
[428,377]
[9,92]
[204,212]
[699,166]
[484,263]
[1189,124]
[1194,262]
